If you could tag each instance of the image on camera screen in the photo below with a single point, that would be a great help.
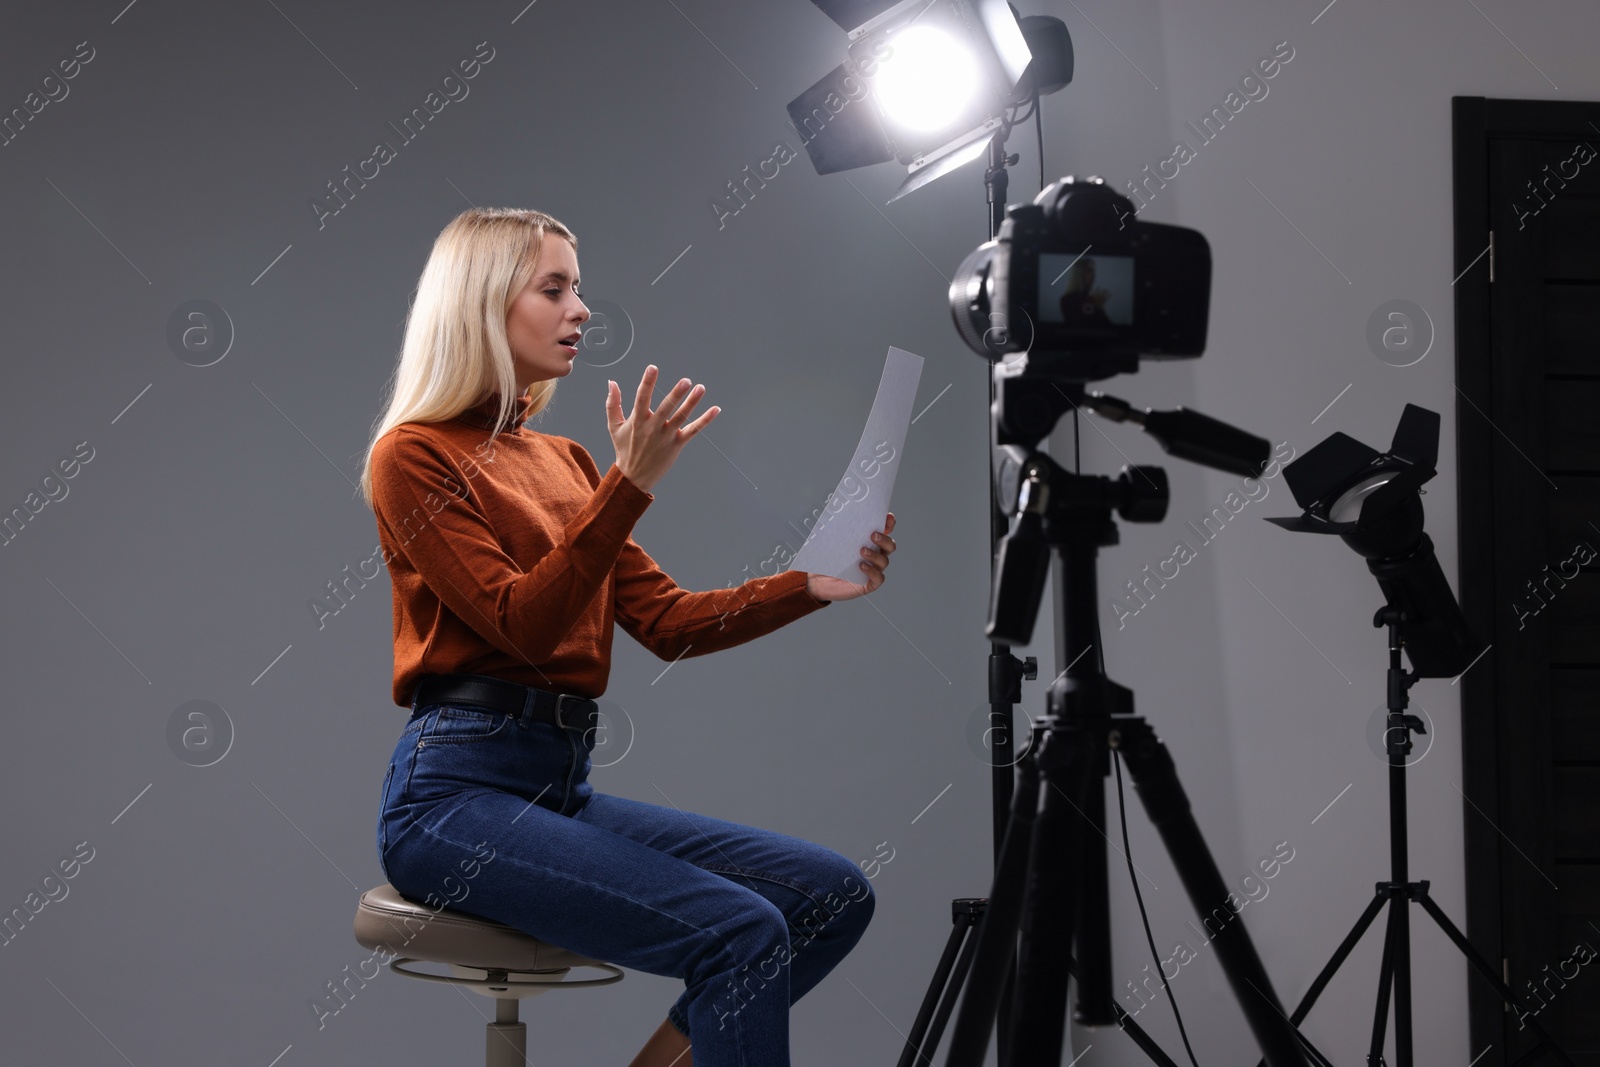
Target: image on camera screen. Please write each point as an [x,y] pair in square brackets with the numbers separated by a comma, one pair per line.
[1085,290]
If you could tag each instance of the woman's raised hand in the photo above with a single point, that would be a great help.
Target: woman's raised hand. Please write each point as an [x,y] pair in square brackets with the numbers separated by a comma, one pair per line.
[648,442]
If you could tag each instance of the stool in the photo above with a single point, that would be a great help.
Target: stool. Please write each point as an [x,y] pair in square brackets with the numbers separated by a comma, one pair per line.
[496,960]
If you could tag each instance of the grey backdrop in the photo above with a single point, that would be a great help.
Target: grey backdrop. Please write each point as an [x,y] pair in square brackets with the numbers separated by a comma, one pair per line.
[183,561]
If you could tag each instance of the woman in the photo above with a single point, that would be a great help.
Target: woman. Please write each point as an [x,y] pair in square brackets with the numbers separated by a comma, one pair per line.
[510,559]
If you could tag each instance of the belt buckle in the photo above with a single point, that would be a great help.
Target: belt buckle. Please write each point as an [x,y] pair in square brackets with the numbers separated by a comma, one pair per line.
[560,699]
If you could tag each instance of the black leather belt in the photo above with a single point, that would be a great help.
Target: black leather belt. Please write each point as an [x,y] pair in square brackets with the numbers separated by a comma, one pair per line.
[565,710]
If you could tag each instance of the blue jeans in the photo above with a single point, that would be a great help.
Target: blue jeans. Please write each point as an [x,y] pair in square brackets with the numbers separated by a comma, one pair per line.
[494,815]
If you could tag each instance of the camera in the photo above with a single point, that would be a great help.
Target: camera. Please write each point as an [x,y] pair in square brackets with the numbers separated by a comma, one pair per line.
[1080,290]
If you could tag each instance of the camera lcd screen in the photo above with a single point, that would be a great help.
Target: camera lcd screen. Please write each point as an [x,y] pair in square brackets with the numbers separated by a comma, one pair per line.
[1085,291]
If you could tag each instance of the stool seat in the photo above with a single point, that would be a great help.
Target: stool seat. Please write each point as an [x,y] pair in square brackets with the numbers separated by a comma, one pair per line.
[387,920]
[485,956]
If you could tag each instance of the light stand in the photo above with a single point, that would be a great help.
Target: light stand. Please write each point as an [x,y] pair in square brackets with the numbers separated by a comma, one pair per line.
[1006,672]
[1005,675]
[1371,500]
[1399,891]
[842,124]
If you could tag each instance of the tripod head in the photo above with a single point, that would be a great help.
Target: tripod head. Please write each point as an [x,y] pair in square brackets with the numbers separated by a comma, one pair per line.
[1053,506]
[1050,506]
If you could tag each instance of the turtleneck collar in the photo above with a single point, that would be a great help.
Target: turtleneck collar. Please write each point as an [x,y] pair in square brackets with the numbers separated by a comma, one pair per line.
[483,414]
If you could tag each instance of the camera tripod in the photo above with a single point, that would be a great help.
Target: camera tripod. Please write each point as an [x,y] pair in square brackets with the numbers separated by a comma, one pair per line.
[1051,874]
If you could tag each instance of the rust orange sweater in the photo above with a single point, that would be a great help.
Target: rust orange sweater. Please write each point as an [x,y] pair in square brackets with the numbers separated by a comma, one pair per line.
[514,560]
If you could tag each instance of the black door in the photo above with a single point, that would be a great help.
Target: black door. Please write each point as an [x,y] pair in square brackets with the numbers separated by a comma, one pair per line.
[1527,185]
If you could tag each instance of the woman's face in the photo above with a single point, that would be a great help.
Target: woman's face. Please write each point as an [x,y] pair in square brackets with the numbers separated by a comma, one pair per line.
[545,315]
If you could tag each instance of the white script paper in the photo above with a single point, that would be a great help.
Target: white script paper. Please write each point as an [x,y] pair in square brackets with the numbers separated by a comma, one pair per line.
[860,504]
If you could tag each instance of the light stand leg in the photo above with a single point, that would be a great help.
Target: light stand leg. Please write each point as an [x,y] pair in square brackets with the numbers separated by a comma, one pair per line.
[948,1004]
[1487,971]
[945,986]
[1344,949]
[1349,943]
[997,932]
[1380,1018]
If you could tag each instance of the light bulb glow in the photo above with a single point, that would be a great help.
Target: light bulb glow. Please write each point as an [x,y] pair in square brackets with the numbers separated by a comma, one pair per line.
[1348,507]
[927,81]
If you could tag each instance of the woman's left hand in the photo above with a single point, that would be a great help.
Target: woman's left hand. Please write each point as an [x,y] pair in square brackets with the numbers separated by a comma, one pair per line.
[874,561]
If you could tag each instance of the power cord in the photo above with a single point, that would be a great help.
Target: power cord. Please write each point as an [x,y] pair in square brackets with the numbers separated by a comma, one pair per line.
[1127,854]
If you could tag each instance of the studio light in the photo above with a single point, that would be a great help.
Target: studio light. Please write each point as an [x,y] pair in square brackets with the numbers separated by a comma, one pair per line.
[1372,501]
[926,82]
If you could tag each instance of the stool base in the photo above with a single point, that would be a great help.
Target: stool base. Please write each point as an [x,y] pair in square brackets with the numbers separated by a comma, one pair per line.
[506,1043]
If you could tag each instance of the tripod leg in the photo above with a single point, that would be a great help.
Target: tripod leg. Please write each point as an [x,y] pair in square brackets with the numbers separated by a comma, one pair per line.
[940,983]
[1004,1010]
[1096,1003]
[1483,968]
[997,931]
[1156,781]
[1050,909]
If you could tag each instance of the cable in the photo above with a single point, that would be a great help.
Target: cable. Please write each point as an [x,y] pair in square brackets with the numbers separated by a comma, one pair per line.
[1038,134]
[1127,854]
[1033,102]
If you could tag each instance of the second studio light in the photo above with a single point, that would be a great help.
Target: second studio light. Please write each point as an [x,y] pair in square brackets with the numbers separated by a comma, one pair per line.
[1371,500]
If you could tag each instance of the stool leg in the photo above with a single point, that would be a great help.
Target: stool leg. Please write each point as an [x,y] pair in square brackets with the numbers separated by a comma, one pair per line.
[506,1039]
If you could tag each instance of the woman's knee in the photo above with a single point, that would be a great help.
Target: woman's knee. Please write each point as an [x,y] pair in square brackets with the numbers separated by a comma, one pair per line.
[754,929]
[860,902]
[858,892]
[843,906]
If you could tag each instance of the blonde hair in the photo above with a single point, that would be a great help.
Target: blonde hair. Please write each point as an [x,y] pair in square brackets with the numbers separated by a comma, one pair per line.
[455,354]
